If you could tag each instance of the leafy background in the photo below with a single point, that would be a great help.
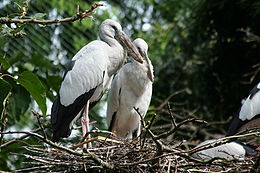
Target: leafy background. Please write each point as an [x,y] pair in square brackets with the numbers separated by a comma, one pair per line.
[208,49]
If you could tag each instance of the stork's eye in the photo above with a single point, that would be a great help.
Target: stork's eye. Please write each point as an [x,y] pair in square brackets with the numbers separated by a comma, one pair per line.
[139,49]
[114,27]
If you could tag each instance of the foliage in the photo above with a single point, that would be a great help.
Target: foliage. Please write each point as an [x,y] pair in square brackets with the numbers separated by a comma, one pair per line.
[34,86]
[201,46]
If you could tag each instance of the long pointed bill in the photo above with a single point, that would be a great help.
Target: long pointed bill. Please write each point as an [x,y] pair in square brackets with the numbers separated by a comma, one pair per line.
[150,70]
[128,46]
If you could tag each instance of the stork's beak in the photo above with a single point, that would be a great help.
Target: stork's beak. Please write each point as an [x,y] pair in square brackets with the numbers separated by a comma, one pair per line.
[122,38]
[149,66]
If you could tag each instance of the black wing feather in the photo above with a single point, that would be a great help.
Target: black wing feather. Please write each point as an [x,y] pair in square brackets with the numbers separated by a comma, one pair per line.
[250,151]
[253,92]
[236,123]
[112,122]
[61,116]
[92,104]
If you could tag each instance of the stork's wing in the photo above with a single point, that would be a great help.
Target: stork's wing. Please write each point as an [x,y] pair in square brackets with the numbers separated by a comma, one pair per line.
[235,124]
[113,101]
[249,111]
[77,88]
[229,150]
[86,74]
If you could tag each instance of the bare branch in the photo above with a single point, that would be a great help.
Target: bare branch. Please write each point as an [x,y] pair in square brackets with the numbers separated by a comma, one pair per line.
[92,156]
[40,124]
[167,100]
[78,16]
[171,115]
[221,141]
[174,129]
[148,127]
[3,117]
[17,139]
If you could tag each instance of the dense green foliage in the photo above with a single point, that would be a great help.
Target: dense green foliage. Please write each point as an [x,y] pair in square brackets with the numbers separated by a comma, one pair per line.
[204,47]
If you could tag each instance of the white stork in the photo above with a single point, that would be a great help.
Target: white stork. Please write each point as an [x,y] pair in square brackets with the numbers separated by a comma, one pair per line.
[131,87]
[229,151]
[248,115]
[88,76]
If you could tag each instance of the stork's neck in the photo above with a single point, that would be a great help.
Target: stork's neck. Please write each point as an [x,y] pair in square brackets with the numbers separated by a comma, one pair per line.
[116,55]
[137,74]
[144,67]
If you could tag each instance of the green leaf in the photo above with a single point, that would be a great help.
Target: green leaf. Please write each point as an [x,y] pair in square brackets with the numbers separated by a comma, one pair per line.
[16,30]
[42,26]
[39,15]
[5,64]
[34,86]
[3,40]
[54,82]
[39,61]
[5,88]
[18,104]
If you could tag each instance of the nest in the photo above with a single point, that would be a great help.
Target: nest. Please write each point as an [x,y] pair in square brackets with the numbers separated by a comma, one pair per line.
[148,153]
[110,154]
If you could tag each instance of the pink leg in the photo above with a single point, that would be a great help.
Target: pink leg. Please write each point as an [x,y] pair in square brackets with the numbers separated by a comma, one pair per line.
[85,124]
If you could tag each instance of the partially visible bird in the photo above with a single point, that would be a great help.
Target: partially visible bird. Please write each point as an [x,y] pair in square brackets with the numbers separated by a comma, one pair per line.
[88,76]
[248,115]
[229,151]
[131,88]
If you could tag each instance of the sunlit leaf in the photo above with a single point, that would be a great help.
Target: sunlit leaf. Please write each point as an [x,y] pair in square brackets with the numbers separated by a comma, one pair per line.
[34,86]
[39,15]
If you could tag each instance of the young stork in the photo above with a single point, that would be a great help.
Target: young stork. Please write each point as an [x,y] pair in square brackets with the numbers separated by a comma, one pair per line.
[88,76]
[248,115]
[229,151]
[131,87]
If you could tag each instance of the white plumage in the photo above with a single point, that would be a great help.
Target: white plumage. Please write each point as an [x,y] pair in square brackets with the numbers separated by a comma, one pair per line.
[89,76]
[87,72]
[248,115]
[131,87]
[229,151]
[251,106]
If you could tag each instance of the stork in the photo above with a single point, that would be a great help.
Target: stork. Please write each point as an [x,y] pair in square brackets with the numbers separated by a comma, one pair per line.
[88,76]
[131,87]
[248,115]
[229,151]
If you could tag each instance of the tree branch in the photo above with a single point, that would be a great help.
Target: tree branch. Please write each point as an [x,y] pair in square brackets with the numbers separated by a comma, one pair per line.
[167,100]
[220,141]
[17,139]
[175,128]
[78,16]
[40,124]
[3,118]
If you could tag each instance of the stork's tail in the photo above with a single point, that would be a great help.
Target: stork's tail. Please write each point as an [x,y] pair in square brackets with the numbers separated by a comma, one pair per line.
[60,130]
[62,116]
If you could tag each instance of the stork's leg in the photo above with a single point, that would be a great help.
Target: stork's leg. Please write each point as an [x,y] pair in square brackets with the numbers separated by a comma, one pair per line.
[85,124]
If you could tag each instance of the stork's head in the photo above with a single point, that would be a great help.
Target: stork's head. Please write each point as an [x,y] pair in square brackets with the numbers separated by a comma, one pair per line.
[112,29]
[142,47]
